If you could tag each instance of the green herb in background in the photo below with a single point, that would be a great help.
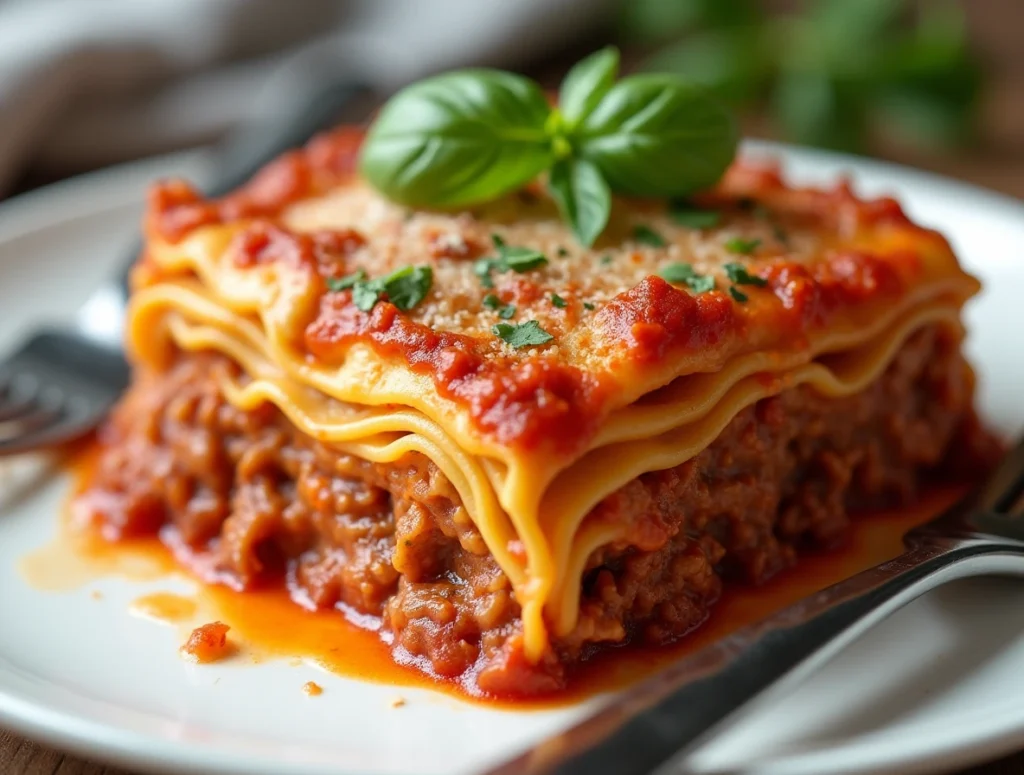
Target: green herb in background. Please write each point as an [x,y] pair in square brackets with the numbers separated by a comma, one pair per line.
[830,73]
[470,136]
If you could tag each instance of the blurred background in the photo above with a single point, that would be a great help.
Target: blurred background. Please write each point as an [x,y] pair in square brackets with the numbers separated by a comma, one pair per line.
[937,84]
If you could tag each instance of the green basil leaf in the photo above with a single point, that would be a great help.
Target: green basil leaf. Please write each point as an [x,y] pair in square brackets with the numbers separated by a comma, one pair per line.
[458,139]
[582,196]
[586,83]
[657,135]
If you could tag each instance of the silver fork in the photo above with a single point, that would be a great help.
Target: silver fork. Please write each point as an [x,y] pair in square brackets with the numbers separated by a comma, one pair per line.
[653,726]
[61,382]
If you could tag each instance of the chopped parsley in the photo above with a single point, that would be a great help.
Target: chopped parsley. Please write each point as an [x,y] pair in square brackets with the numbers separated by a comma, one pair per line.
[588,306]
[408,286]
[738,274]
[522,334]
[605,260]
[762,213]
[684,273]
[509,258]
[645,235]
[693,218]
[482,269]
[737,294]
[562,252]
[491,301]
[346,282]
[742,246]
[558,301]
[405,287]
[365,295]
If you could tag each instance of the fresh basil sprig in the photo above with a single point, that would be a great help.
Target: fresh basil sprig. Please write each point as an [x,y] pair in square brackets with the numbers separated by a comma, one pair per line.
[470,136]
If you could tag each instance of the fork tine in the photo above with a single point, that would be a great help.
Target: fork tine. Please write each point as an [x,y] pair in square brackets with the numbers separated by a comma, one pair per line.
[31,422]
[13,410]
[49,436]
[1004,490]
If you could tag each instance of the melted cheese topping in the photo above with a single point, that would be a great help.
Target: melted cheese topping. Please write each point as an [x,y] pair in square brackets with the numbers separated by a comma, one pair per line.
[534,439]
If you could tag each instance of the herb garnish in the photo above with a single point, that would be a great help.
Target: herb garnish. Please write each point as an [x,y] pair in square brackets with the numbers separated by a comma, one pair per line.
[742,246]
[562,252]
[491,301]
[693,218]
[606,260]
[684,273]
[558,301]
[588,306]
[648,236]
[738,274]
[739,295]
[467,137]
[346,282]
[521,334]
[510,258]
[405,287]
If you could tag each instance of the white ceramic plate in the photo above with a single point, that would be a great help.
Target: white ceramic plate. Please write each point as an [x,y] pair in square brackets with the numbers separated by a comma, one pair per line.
[938,686]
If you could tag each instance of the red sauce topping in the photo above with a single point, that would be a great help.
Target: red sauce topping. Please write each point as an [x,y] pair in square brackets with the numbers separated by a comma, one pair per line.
[175,207]
[656,318]
[844,278]
[520,402]
[325,250]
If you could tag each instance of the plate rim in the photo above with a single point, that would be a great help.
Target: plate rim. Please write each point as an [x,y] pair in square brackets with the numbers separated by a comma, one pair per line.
[116,187]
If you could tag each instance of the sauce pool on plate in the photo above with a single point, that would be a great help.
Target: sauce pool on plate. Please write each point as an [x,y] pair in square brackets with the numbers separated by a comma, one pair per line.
[266,624]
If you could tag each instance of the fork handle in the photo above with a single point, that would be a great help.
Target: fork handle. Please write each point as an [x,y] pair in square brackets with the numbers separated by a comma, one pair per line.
[666,716]
[320,103]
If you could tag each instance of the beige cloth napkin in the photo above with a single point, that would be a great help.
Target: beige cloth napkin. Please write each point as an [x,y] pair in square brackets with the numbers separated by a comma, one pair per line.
[85,83]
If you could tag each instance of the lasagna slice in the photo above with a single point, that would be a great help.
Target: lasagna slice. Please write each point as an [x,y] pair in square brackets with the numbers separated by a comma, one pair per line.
[506,450]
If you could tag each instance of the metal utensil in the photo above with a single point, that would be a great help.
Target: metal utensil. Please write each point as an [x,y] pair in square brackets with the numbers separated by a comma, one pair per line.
[61,382]
[653,726]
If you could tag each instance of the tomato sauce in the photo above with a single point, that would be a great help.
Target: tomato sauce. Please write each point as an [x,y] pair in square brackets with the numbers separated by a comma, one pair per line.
[267,624]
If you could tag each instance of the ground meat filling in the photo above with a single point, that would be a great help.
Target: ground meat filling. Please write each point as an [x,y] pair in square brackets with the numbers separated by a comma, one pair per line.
[249,499]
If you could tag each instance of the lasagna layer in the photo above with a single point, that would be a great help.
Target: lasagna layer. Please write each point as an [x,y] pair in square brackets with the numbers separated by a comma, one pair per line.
[248,497]
[796,292]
